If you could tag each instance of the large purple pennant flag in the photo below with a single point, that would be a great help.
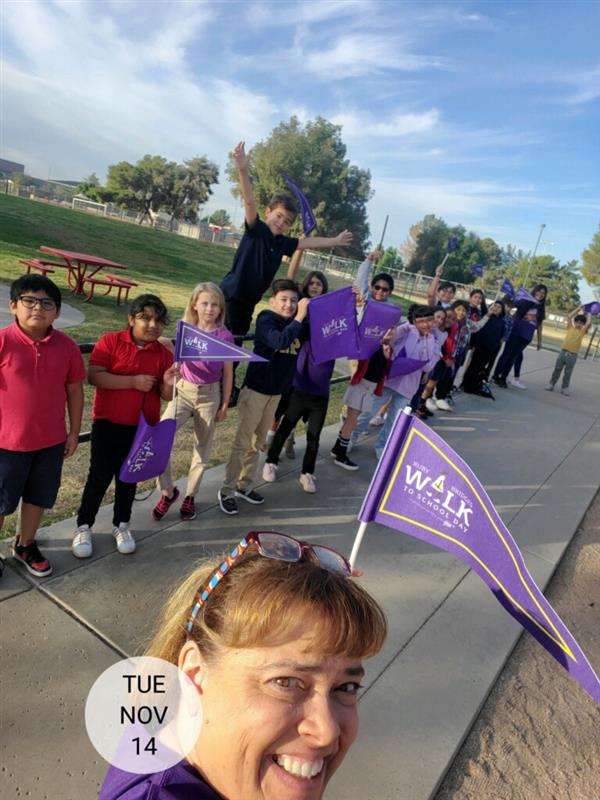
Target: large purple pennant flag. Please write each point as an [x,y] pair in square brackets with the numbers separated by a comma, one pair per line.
[309,223]
[592,308]
[150,452]
[333,326]
[403,365]
[423,488]
[477,269]
[377,319]
[508,289]
[193,344]
[523,294]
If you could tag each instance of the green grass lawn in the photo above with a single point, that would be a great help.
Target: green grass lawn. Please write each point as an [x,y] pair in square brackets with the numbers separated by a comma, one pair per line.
[162,263]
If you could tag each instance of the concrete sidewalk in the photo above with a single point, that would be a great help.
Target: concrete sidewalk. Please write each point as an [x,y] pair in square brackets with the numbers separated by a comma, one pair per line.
[69,315]
[538,455]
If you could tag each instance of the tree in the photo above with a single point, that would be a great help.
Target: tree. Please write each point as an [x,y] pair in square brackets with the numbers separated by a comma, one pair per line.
[314,156]
[143,187]
[591,261]
[191,188]
[219,217]
[390,259]
[430,245]
[562,280]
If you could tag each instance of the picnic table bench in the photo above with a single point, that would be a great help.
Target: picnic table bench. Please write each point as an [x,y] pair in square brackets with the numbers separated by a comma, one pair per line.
[34,263]
[110,281]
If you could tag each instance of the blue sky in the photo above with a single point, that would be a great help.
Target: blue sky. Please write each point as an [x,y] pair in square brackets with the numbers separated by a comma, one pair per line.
[486,114]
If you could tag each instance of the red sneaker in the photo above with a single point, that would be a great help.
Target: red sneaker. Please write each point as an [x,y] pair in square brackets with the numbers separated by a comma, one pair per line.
[164,504]
[29,556]
[188,508]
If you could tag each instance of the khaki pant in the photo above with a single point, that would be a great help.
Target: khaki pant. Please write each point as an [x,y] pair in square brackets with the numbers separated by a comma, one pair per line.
[255,415]
[201,402]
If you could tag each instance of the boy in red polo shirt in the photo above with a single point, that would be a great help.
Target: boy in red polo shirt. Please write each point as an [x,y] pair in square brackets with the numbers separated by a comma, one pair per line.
[41,371]
[131,371]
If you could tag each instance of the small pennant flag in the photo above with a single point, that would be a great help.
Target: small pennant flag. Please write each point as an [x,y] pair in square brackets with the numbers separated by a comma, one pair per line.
[523,294]
[193,344]
[452,243]
[592,308]
[309,223]
[402,365]
[150,451]
[423,488]
[477,269]
[376,321]
[333,326]
[508,289]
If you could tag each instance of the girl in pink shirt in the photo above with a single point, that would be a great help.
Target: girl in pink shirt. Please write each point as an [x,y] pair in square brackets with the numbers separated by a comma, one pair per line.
[202,395]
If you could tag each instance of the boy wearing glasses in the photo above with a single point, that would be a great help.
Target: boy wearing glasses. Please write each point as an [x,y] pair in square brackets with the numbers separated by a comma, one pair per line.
[42,371]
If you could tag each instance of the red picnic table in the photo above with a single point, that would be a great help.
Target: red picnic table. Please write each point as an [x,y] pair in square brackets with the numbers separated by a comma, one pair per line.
[81,266]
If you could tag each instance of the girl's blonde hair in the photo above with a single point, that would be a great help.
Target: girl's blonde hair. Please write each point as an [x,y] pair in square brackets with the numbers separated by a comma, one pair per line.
[191,315]
[261,602]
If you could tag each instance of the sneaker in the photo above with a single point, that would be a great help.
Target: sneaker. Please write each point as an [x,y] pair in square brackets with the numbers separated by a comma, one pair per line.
[307,482]
[550,388]
[124,539]
[377,421]
[450,400]
[81,546]
[431,405]
[269,472]
[289,448]
[565,392]
[164,504]
[228,503]
[29,556]
[250,496]
[344,462]
[443,405]
[516,384]
[187,510]
[500,382]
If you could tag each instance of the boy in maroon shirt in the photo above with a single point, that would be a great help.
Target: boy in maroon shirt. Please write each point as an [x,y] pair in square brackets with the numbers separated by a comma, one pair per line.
[41,371]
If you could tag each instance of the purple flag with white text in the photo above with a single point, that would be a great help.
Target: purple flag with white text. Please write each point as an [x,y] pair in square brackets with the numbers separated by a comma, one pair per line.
[309,223]
[333,326]
[423,488]
[376,320]
[592,308]
[477,269]
[523,294]
[193,344]
[150,452]
[508,289]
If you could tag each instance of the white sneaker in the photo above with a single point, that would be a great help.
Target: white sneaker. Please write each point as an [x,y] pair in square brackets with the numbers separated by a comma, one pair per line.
[124,539]
[443,405]
[307,481]
[430,404]
[377,421]
[269,472]
[81,546]
[516,384]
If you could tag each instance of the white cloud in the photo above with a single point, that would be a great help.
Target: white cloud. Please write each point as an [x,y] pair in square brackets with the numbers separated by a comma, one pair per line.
[360,124]
[587,87]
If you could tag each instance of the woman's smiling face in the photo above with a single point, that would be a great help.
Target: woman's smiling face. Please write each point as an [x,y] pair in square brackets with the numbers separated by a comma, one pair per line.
[277,720]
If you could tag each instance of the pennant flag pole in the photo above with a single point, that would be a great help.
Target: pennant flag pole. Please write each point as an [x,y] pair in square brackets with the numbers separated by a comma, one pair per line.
[194,344]
[309,223]
[451,246]
[423,488]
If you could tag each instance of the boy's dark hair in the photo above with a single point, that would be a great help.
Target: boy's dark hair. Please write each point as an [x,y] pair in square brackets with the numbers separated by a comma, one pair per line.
[580,318]
[285,200]
[462,303]
[150,301]
[35,283]
[410,314]
[284,285]
[476,291]
[446,285]
[423,311]
[383,276]
[314,273]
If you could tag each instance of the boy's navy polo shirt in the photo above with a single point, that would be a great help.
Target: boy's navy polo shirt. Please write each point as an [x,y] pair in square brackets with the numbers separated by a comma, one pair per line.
[256,261]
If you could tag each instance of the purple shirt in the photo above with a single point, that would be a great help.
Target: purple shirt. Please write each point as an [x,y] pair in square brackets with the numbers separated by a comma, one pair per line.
[425,348]
[200,372]
[181,782]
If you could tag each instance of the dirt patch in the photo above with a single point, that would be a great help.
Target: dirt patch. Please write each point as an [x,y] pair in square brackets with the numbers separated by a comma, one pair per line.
[538,735]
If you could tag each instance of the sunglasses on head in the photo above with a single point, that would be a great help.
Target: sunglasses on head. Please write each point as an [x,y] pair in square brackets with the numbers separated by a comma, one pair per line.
[279,547]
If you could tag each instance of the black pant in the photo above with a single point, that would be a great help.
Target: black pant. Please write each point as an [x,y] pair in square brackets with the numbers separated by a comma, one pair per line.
[512,349]
[482,361]
[314,407]
[110,445]
[238,318]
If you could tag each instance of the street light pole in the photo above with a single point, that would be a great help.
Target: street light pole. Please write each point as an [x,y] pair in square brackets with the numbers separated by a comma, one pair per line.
[542,226]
